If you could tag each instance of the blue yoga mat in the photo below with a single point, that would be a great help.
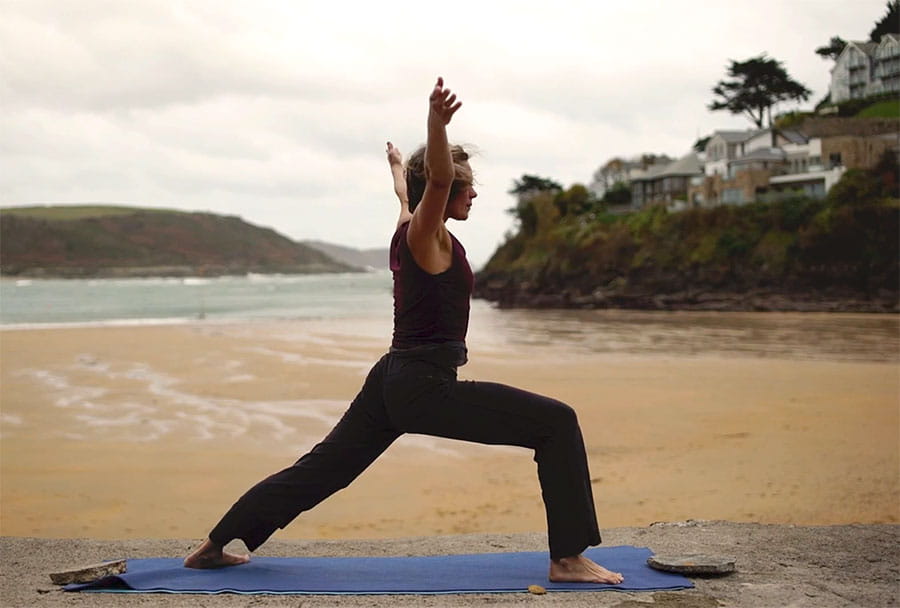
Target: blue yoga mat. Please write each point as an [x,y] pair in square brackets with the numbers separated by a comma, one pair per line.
[476,573]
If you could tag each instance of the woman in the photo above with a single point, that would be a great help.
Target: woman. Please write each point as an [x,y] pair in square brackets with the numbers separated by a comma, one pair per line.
[414,389]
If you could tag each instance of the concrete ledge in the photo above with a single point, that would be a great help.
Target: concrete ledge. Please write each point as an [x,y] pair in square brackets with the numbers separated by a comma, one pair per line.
[777,565]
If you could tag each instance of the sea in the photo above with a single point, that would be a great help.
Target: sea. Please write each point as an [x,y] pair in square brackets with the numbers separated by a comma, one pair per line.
[359,304]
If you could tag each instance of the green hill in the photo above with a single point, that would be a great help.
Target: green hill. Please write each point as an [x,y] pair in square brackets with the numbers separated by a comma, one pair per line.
[837,254]
[80,241]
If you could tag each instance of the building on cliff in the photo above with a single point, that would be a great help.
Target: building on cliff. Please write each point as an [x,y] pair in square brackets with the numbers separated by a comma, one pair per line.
[864,69]
[664,183]
[739,167]
[769,164]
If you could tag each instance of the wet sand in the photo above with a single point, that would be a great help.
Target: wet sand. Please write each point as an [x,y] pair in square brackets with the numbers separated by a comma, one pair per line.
[153,431]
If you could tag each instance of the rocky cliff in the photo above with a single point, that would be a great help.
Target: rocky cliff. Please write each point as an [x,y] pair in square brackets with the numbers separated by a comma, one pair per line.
[799,254]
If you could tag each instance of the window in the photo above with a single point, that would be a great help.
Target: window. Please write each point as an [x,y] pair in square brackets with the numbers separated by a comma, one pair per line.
[834,159]
[732,196]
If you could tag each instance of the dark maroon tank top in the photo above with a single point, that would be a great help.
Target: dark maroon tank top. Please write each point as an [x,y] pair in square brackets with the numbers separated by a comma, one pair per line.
[429,308]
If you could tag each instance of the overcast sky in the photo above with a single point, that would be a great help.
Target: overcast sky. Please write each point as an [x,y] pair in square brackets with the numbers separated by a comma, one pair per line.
[279,111]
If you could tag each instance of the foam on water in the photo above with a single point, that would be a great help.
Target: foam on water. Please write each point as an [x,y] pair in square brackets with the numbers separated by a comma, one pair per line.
[299,359]
[92,413]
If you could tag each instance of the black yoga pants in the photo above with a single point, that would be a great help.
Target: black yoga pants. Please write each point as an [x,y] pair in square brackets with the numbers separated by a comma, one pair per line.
[405,394]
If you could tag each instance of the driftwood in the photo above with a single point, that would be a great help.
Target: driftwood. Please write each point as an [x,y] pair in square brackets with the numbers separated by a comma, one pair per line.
[86,574]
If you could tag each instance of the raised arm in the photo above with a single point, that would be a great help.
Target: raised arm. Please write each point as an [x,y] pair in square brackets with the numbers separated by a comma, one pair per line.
[395,160]
[428,238]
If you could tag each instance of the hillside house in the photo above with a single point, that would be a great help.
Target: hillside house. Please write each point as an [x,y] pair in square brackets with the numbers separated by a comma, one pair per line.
[864,69]
[770,164]
[722,148]
[665,184]
[740,163]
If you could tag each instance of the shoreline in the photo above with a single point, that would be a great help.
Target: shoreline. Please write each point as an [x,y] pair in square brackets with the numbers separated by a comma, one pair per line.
[773,301]
[777,565]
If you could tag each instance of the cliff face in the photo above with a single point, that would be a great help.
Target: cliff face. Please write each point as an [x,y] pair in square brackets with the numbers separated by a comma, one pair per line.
[800,254]
[121,241]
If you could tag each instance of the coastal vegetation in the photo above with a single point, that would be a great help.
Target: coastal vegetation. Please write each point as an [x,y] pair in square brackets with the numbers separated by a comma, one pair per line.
[836,253]
[98,240]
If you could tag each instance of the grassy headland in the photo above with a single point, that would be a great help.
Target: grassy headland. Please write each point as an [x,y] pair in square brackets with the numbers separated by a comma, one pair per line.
[96,240]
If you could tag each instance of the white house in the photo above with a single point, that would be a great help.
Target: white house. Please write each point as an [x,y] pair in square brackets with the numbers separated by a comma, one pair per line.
[864,69]
[769,164]
[806,172]
[723,147]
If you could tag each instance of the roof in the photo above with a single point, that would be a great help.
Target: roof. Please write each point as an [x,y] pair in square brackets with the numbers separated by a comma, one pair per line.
[734,137]
[648,173]
[866,47]
[686,165]
[795,137]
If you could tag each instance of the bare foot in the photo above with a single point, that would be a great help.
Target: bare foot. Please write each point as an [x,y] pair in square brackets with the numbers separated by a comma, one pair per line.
[211,555]
[579,569]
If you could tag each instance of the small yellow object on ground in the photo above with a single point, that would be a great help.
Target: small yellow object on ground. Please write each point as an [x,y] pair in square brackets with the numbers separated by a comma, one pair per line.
[536,589]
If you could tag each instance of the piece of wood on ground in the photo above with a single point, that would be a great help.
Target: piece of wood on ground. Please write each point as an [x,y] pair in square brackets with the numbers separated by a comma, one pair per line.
[692,563]
[86,574]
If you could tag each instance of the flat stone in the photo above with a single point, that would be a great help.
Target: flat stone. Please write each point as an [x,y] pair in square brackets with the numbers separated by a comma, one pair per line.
[692,563]
[86,574]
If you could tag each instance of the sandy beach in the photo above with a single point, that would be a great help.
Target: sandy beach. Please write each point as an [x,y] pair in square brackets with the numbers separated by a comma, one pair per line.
[153,431]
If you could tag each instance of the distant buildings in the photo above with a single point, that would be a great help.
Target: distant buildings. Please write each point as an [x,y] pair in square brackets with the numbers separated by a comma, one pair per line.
[738,167]
[768,164]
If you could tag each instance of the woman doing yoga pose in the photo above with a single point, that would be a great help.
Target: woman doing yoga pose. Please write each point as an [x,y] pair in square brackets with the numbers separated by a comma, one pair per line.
[414,387]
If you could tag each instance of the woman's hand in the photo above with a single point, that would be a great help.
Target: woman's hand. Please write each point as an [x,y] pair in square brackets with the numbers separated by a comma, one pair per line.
[443,103]
[394,157]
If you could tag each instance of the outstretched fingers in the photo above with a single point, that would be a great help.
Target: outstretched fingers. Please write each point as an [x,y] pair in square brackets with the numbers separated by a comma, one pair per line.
[443,101]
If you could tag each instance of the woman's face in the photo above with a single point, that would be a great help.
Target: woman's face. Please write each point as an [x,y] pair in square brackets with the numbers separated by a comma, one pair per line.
[459,204]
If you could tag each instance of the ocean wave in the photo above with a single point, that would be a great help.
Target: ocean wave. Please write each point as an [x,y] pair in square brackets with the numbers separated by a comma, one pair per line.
[32,325]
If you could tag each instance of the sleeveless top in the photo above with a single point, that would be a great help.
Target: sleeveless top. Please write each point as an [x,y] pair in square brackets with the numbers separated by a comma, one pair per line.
[429,309]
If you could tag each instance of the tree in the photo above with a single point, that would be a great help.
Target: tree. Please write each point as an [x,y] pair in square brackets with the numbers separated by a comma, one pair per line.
[889,24]
[755,86]
[532,184]
[833,49]
[525,189]
[613,171]
[577,200]
[619,194]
